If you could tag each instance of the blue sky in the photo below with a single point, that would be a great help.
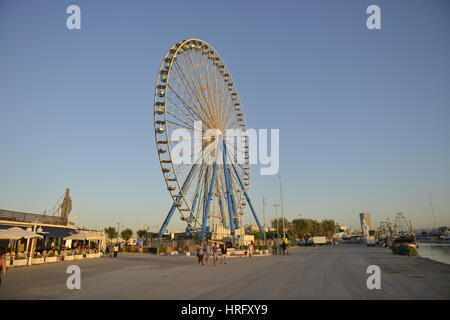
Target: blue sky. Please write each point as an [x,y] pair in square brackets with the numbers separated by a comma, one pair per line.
[363,115]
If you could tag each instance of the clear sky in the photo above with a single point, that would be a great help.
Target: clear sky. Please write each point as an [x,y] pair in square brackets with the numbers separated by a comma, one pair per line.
[364,116]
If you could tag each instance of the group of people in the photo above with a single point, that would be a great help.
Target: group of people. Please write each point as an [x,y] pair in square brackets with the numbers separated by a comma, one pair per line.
[113,249]
[281,248]
[206,252]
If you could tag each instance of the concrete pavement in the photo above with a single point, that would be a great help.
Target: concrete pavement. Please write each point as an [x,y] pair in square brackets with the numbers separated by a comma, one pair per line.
[328,272]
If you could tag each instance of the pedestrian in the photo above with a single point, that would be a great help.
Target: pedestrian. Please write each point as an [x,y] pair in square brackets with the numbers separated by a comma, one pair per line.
[223,249]
[207,253]
[116,250]
[2,265]
[111,249]
[284,248]
[214,252]
[200,254]
[274,249]
[251,247]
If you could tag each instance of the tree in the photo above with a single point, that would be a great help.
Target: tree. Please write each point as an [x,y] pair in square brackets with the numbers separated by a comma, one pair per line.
[258,235]
[287,225]
[328,228]
[142,233]
[111,232]
[317,228]
[302,228]
[126,234]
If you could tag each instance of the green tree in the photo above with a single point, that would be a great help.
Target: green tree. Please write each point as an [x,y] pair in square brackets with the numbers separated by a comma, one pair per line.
[111,232]
[258,235]
[317,228]
[302,228]
[142,233]
[126,234]
[328,228]
[287,224]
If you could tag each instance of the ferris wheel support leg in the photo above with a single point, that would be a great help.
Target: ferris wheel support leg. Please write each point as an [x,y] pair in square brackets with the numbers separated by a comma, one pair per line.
[222,213]
[194,204]
[250,203]
[209,198]
[166,222]
[227,185]
[172,209]
[233,204]
[191,216]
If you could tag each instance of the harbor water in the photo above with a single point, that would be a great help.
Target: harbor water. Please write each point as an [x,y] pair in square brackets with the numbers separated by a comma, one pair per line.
[435,251]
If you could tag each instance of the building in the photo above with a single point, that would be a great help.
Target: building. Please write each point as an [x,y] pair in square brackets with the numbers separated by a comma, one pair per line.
[366,223]
[51,225]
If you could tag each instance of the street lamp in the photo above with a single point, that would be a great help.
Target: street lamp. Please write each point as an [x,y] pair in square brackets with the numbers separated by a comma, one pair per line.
[118,230]
[78,214]
[276,205]
[264,212]
[282,210]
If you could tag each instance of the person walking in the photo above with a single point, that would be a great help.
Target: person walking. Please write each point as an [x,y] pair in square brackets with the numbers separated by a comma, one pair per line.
[214,252]
[2,265]
[274,248]
[207,253]
[223,250]
[251,247]
[116,250]
[111,249]
[200,254]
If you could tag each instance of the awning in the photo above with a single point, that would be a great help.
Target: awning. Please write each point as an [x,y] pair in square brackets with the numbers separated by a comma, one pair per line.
[54,232]
[51,232]
[4,227]
[84,236]
[17,233]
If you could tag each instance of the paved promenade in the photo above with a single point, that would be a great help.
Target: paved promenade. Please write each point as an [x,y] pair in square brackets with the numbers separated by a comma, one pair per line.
[328,272]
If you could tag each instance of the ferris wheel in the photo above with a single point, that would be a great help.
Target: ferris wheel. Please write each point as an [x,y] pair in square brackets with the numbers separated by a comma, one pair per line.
[196,105]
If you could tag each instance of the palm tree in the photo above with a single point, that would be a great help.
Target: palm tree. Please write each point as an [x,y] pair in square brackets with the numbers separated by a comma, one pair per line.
[141,233]
[126,234]
[111,232]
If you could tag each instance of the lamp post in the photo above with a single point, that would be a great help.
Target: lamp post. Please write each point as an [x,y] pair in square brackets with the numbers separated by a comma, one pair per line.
[118,230]
[264,212]
[276,205]
[282,211]
[78,214]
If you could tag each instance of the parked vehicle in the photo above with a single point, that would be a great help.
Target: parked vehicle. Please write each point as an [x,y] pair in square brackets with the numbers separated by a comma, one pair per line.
[370,241]
[319,240]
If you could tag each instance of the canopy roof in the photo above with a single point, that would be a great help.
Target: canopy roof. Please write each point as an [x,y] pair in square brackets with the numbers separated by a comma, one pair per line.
[84,236]
[17,233]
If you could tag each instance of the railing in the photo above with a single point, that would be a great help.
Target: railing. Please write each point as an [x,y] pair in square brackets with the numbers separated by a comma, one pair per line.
[31,217]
